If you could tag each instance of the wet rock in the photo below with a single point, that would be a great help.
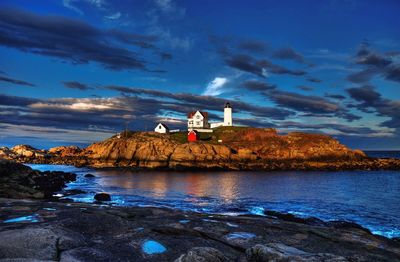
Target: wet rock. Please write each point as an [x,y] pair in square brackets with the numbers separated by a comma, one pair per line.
[71,192]
[347,225]
[102,197]
[90,176]
[201,254]
[278,252]
[19,181]
[292,218]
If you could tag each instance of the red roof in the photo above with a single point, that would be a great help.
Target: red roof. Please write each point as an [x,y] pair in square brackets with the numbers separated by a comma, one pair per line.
[204,114]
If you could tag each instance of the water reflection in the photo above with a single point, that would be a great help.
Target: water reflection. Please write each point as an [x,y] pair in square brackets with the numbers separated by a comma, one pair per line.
[368,198]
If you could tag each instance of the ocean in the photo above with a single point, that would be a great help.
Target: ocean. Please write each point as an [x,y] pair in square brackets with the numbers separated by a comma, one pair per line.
[369,198]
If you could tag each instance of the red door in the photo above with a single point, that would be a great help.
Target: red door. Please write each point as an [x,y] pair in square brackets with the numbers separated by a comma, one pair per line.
[192,136]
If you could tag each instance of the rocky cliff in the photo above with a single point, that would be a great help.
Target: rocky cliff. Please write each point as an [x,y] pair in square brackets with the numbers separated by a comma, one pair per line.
[227,148]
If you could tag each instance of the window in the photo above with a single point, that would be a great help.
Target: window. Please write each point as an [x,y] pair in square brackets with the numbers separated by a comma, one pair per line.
[198,117]
[159,127]
[198,123]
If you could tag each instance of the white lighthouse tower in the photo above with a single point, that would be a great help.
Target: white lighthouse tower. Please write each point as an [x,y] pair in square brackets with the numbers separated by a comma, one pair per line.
[228,115]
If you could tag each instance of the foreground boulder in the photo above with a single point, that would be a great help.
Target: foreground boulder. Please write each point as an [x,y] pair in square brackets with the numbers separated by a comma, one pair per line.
[102,197]
[20,181]
[200,254]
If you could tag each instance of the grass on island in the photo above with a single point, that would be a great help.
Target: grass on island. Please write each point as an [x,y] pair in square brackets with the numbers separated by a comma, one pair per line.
[224,133]
[217,134]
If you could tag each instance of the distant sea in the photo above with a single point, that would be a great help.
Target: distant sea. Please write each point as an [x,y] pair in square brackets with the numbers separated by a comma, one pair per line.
[383,154]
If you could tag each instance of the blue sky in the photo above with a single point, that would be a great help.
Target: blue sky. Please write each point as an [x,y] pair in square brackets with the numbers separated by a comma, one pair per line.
[76,71]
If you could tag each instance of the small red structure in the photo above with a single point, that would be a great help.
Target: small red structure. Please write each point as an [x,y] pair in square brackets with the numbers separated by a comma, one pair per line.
[193,136]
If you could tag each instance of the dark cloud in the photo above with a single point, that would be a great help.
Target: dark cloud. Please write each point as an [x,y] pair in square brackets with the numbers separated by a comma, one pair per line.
[362,76]
[374,64]
[288,53]
[365,94]
[345,129]
[71,40]
[312,105]
[255,85]
[393,73]
[335,96]
[6,100]
[365,56]
[305,88]
[260,67]
[76,85]
[253,46]
[314,80]
[368,98]
[15,81]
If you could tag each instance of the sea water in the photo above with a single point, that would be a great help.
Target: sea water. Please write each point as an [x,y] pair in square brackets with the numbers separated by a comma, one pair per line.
[369,198]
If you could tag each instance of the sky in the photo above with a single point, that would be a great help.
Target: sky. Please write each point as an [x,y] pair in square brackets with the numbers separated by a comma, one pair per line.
[73,72]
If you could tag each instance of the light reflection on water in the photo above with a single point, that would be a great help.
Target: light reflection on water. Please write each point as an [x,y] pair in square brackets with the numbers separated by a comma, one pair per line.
[369,198]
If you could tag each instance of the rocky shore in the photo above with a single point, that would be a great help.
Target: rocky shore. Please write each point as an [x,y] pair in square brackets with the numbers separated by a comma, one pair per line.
[41,227]
[227,149]
[55,231]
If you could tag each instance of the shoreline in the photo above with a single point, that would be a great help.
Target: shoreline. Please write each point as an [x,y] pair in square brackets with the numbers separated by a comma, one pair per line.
[99,231]
[262,165]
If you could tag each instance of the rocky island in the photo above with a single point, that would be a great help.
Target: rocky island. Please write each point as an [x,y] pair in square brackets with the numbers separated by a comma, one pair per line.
[227,148]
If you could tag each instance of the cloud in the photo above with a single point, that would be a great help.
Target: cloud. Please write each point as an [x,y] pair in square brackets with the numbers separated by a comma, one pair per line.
[310,105]
[393,73]
[76,85]
[255,85]
[305,88]
[185,102]
[259,68]
[338,129]
[71,4]
[314,80]
[71,40]
[335,96]
[253,46]
[288,54]
[368,98]
[114,16]
[362,76]
[374,64]
[214,88]
[15,81]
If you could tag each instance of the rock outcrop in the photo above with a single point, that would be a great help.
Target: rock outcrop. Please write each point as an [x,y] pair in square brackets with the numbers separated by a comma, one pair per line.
[20,181]
[240,149]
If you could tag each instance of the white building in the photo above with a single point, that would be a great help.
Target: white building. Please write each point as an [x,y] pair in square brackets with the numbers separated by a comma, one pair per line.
[198,120]
[228,115]
[228,121]
[161,128]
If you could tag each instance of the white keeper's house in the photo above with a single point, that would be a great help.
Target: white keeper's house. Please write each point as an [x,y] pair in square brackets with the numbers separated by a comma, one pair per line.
[198,120]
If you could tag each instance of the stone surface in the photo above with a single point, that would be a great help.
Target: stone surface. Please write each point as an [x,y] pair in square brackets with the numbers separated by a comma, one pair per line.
[38,243]
[201,254]
[89,232]
[281,253]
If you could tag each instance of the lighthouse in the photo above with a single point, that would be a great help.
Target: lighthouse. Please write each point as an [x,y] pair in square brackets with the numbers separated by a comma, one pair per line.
[228,115]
